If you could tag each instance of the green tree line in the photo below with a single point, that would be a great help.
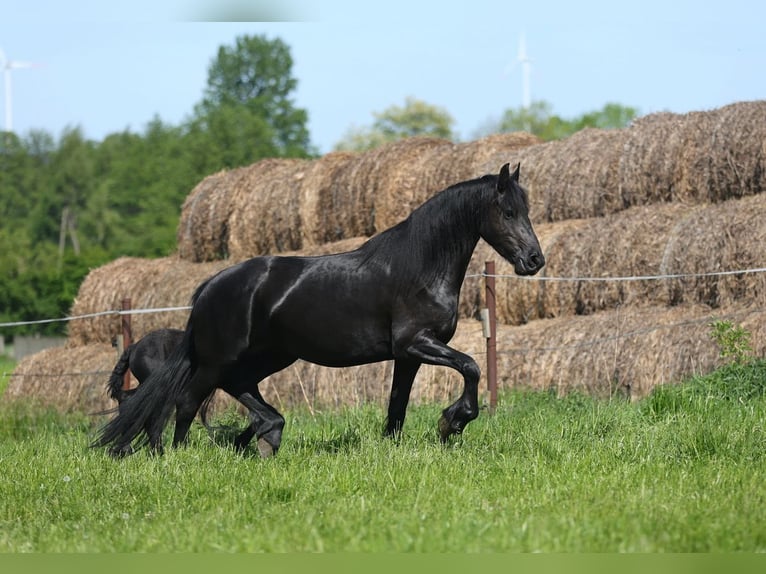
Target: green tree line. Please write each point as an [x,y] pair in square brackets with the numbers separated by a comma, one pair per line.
[70,204]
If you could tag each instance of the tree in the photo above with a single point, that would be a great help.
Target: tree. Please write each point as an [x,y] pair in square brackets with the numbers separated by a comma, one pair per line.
[247,112]
[540,120]
[415,118]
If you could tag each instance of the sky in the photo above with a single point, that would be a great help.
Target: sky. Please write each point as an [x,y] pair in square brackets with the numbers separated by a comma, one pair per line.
[107,67]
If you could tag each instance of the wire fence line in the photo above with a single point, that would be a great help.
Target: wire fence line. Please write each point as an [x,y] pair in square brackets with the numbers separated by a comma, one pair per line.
[620,279]
[523,350]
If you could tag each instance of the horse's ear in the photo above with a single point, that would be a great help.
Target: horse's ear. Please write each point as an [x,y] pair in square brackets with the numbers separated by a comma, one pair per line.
[515,174]
[504,179]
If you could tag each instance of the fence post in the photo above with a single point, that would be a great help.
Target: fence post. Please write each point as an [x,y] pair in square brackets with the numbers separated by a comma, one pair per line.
[489,278]
[126,338]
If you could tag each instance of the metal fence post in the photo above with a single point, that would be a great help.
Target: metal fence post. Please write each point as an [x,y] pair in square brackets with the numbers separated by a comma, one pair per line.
[489,278]
[126,338]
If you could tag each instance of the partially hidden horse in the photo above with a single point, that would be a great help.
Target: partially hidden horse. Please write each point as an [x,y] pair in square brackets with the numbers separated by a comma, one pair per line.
[142,358]
[393,298]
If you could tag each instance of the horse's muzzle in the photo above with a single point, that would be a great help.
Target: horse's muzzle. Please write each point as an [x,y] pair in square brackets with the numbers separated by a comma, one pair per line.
[529,264]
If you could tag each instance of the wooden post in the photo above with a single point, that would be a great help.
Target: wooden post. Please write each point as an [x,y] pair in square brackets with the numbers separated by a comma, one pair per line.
[126,338]
[489,277]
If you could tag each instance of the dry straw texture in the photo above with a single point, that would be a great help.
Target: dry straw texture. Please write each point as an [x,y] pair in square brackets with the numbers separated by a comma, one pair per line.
[278,205]
[618,352]
[149,283]
[700,156]
[573,178]
[69,379]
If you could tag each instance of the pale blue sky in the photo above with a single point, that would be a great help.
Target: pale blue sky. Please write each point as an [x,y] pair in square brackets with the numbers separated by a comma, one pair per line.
[112,65]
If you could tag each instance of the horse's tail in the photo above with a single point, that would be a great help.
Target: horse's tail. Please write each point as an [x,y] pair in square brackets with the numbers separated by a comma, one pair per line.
[148,410]
[114,385]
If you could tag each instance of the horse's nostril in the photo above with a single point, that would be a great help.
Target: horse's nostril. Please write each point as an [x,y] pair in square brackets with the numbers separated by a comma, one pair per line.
[537,260]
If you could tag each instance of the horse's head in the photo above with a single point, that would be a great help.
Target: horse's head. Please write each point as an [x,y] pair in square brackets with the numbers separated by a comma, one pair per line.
[506,226]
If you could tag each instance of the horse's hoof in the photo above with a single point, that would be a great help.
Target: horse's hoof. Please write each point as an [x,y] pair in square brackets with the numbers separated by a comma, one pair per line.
[265,449]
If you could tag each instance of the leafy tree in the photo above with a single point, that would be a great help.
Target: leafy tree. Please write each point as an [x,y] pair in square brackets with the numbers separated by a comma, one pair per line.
[414,118]
[540,120]
[247,112]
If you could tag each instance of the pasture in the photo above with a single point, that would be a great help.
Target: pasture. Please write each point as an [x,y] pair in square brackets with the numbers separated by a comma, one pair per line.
[681,470]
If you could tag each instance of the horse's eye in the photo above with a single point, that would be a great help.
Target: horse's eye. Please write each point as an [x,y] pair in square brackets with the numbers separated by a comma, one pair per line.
[508,214]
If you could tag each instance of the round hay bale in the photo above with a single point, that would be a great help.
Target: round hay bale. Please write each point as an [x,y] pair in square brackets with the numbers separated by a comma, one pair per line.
[488,154]
[149,283]
[649,162]
[68,379]
[203,228]
[573,178]
[737,152]
[631,243]
[401,176]
[699,156]
[321,216]
[622,352]
[266,209]
[719,238]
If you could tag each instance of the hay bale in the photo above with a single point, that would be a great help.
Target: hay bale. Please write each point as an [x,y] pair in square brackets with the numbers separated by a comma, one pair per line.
[619,352]
[67,379]
[573,178]
[695,157]
[402,175]
[737,152]
[203,227]
[149,283]
[266,209]
[322,206]
[719,238]
[488,154]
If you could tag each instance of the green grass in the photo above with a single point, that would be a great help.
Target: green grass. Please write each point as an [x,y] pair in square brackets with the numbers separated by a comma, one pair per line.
[680,471]
[6,368]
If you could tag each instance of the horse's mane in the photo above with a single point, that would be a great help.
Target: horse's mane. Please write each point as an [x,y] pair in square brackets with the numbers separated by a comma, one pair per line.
[440,229]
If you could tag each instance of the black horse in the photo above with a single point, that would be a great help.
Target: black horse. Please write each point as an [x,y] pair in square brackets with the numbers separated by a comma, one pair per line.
[142,358]
[146,355]
[393,298]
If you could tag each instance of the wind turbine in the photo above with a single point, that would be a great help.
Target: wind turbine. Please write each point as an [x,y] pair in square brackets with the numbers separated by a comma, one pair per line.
[526,71]
[7,66]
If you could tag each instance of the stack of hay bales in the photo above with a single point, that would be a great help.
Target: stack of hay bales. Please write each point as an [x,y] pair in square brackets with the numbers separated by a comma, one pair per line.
[672,194]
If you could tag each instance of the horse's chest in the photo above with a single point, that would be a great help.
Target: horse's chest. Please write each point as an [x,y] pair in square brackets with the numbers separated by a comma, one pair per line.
[435,309]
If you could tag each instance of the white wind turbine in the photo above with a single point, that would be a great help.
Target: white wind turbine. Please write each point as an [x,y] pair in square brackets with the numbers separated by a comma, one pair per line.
[526,72]
[7,66]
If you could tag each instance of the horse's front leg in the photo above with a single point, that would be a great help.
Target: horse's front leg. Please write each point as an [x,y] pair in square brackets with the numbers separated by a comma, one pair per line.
[426,348]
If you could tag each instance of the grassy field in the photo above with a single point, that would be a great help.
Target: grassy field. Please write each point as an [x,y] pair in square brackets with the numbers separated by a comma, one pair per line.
[680,471]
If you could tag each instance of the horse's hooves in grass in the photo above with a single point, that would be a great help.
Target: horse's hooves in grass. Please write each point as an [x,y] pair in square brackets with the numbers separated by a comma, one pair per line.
[265,449]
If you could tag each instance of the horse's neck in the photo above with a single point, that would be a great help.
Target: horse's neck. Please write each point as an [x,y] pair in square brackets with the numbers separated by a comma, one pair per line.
[446,248]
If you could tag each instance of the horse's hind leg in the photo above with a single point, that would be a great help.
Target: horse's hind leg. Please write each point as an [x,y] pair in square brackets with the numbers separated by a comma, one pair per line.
[201,385]
[266,422]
